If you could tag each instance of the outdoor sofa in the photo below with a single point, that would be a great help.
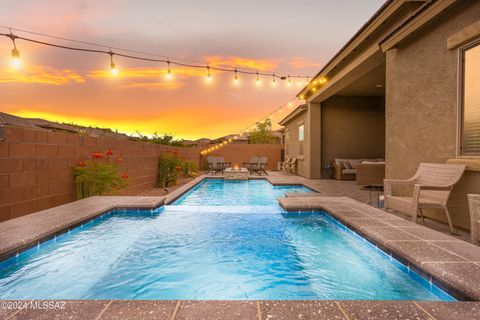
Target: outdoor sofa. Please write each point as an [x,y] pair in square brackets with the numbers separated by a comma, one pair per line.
[347,169]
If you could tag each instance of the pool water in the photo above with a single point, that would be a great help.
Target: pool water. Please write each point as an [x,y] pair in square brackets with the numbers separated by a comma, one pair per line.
[216,192]
[199,248]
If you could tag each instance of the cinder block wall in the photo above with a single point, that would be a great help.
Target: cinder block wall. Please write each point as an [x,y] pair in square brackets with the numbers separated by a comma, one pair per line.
[240,153]
[36,166]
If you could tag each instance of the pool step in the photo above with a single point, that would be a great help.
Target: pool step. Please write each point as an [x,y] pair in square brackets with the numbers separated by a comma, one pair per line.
[224,209]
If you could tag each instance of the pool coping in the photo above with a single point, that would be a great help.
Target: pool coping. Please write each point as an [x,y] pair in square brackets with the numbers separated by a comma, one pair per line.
[23,233]
[451,264]
[248,310]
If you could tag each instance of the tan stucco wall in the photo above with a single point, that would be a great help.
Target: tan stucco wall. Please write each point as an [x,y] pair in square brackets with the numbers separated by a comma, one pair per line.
[291,128]
[313,168]
[421,104]
[352,127]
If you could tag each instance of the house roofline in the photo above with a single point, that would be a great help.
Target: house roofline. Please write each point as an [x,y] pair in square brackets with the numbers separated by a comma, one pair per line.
[370,21]
[384,12]
[298,110]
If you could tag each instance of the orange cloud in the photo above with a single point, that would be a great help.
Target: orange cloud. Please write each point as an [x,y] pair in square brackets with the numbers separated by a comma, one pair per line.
[149,73]
[255,64]
[299,63]
[39,74]
[154,85]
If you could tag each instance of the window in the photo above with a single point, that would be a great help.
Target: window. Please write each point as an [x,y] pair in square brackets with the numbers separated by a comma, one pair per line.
[301,132]
[470,126]
[287,142]
[301,137]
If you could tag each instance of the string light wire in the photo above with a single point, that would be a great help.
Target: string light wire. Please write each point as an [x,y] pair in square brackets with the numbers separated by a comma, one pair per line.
[138,55]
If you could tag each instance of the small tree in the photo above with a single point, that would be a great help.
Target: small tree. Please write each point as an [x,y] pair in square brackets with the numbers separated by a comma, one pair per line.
[262,134]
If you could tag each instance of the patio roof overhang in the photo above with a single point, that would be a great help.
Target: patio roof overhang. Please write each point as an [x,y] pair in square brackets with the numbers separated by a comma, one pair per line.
[364,52]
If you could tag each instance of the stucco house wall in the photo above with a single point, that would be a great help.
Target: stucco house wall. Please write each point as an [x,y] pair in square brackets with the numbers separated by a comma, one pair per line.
[352,128]
[292,145]
[422,104]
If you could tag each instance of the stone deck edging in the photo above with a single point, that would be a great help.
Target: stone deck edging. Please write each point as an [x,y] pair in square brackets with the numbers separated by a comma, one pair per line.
[252,310]
[18,234]
[448,262]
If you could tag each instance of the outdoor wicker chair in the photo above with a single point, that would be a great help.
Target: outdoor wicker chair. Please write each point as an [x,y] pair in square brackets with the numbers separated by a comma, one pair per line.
[290,166]
[474,204]
[432,185]
[281,165]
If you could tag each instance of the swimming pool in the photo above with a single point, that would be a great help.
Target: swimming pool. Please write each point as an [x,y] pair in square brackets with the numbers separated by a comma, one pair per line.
[212,251]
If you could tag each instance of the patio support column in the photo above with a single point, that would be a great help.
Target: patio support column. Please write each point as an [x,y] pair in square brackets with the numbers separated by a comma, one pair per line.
[312,141]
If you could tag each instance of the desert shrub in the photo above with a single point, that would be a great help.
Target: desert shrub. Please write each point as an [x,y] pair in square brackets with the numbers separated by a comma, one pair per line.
[99,175]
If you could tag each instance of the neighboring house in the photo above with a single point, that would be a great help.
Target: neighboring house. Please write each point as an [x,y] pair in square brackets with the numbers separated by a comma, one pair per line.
[232,138]
[294,136]
[407,87]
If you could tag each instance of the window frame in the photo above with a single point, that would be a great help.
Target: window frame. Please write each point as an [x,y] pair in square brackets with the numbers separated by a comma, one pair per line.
[301,125]
[461,99]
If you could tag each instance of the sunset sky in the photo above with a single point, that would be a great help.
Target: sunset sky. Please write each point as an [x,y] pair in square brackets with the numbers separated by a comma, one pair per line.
[285,36]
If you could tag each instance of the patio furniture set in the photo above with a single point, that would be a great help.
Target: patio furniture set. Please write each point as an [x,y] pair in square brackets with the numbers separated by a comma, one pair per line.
[428,189]
[364,171]
[256,165]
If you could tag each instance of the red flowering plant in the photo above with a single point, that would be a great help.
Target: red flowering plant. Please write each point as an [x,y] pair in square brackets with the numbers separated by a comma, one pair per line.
[99,175]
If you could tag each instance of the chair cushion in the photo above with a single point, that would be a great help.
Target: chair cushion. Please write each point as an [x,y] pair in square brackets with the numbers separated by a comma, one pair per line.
[346,164]
[349,171]
[354,162]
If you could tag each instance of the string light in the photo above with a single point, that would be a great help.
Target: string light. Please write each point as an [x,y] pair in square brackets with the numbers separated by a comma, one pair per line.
[209,76]
[15,62]
[250,128]
[236,81]
[289,83]
[113,67]
[125,53]
[258,81]
[169,74]
[274,83]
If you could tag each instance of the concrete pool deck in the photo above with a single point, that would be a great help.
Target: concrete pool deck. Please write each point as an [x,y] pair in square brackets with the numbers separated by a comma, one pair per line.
[252,310]
[21,233]
[449,262]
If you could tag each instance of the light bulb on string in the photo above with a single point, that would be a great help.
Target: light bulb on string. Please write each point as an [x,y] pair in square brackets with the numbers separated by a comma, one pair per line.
[236,80]
[289,83]
[209,75]
[15,62]
[169,74]
[274,83]
[113,67]
[258,81]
